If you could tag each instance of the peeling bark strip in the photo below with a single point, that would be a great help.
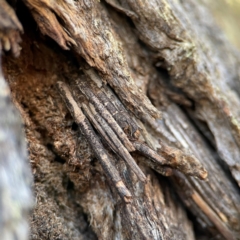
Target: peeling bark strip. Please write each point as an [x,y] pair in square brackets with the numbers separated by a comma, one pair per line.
[94,142]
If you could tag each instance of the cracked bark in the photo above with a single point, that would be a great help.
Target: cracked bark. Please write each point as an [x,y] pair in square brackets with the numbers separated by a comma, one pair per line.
[114,57]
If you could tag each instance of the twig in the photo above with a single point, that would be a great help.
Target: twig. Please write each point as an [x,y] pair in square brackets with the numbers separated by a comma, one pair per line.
[121,116]
[154,161]
[212,216]
[118,147]
[106,115]
[96,145]
[173,158]
[94,122]
[185,163]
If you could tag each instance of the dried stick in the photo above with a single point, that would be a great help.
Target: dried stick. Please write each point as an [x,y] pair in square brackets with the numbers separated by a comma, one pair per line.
[94,122]
[121,116]
[118,104]
[191,168]
[153,160]
[110,137]
[212,216]
[173,158]
[106,115]
[186,163]
[96,145]
[112,103]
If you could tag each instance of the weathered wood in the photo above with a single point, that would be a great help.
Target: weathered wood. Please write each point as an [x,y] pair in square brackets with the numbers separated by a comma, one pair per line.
[186,57]
[111,74]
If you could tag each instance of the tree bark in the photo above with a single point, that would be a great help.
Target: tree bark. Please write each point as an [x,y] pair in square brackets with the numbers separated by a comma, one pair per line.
[130,111]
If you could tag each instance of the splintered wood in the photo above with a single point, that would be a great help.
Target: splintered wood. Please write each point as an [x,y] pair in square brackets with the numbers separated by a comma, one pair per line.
[94,142]
[106,115]
[108,125]
[185,53]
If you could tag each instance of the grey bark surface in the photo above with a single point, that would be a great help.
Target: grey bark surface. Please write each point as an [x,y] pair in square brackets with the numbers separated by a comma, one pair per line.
[123,92]
[16,198]
[15,175]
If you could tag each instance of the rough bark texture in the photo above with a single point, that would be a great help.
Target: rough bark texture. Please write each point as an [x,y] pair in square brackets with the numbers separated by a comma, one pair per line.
[127,91]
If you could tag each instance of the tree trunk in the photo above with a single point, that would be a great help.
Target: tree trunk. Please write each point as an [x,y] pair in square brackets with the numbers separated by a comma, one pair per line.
[130,111]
